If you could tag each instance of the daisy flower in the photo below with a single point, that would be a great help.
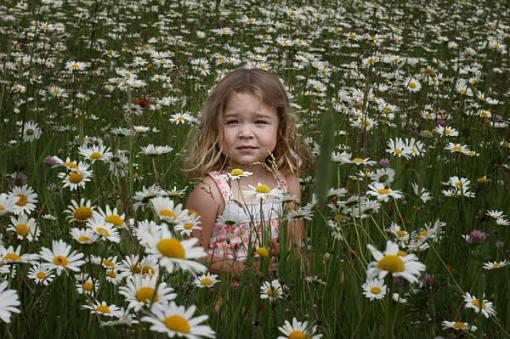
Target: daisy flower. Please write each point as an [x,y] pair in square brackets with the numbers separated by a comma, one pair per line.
[457,148]
[238,173]
[41,274]
[398,232]
[85,284]
[10,255]
[114,276]
[102,308]
[374,289]
[421,193]
[85,236]
[272,290]
[174,253]
[494,265]
[75,66]
[95,153]
[393,261]
[383,192]
[152,150]
[176,320]
[412,85]
[458,326]
[7,203]
[125,317]
[142,197]
[478,305]
[206,280]
[24,227]
[495,214]
[188,224]
[383,176]
[362,161]
[446,131]
[398,148]
[80,212]
[262,192]
[141,291]
[25,199]
[76,178]
[182,118]
[61,257]
[9,302]
[298,329]
[147,232]
[103,229]
[167,211]
[112,217]
[31,131]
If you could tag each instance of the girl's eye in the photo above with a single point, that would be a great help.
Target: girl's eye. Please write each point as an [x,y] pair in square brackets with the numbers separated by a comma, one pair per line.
[231,122]
[261,122]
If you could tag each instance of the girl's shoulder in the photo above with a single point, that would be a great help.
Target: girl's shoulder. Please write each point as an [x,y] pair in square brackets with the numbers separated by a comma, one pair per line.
[208,189]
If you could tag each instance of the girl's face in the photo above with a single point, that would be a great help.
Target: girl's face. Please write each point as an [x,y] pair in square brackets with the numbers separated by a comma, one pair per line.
[250,129]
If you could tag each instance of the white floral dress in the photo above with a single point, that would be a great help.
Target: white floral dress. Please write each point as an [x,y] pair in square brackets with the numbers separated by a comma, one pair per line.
[244,226]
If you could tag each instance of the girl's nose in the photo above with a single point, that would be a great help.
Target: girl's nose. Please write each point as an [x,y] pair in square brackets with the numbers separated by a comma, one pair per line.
[245,131]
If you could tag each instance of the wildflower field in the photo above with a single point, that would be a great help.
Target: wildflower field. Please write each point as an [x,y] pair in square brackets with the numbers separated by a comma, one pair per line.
[404,105]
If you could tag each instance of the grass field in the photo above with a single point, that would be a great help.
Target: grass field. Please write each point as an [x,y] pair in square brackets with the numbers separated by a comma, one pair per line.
[404,105]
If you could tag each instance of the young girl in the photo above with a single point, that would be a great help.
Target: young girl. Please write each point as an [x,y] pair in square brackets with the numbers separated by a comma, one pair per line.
[247,157]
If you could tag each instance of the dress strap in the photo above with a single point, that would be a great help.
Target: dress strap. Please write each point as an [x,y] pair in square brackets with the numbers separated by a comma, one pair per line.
[282,183]
[222,184]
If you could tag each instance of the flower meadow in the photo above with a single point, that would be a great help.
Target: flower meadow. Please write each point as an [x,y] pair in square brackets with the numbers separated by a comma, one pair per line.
[404,105]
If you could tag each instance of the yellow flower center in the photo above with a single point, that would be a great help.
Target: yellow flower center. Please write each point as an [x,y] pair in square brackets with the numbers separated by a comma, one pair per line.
[457,148]
[2,208]
[375,290]
[263,252]
[383,191]
[483,181]
[82,213]
[391,263]
[365,122]
[136,269]
[177,323]
[22,229]
[147,270]
[12,256]
[401,234]
[103,231]
[358,160]
[75,177]
[476,302]
[168,214]
[114,219]
[388,109]
[398,151]
[236,172]
[87,285]
[171,248]
[296,335]
[108,263]
[112,274]
[84,238]
[41,275]
[188,225]
[262,188]
[412,85]
[60,260]
[71,164]
[272,292]
[96,155]
[459,325]
[496,264]
[341,218]
[206,281]
[146,294]
[103,309]
[22,200]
